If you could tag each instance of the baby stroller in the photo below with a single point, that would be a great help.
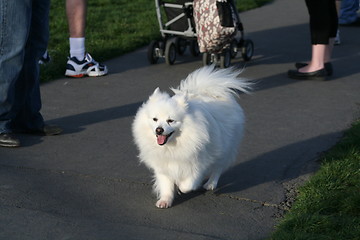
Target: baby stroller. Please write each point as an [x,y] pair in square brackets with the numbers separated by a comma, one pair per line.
[220,32]
[177,32]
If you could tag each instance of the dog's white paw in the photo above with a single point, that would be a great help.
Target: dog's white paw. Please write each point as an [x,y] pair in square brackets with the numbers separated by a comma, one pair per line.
[210,186]
[163,203]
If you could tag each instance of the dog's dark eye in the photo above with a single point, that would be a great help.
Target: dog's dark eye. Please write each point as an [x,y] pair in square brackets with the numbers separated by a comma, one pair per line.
[155,119]
[170,121]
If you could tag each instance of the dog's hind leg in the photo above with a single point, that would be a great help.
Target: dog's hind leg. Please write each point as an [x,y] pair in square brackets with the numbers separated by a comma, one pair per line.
[213,180]
[164,188]
[219,167]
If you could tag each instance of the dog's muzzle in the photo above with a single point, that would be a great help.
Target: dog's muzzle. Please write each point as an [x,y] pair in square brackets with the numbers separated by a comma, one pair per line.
[161,138]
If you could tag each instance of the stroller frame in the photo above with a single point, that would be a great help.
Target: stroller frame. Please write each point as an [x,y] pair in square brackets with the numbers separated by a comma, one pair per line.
[175,40]
[175,36]
[163,26]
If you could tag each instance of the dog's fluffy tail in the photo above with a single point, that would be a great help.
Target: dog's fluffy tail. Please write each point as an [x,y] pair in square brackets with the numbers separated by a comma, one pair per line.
[215,83]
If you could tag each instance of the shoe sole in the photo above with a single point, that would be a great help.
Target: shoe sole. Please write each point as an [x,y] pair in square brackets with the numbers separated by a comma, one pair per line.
[94,74]
[75,76]
[9,145]
[44,133]
[84,75]
[308,78]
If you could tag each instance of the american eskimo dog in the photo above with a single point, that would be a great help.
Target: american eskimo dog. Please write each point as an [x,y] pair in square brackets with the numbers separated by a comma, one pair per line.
[193,135]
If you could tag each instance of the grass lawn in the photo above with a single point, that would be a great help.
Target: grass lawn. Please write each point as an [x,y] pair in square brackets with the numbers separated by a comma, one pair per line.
[114,27]
[328,206]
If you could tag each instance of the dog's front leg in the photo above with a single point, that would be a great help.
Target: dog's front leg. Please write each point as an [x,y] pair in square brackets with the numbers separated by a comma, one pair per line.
[164,188]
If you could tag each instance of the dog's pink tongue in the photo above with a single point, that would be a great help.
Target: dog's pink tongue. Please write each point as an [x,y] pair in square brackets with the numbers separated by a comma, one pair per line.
[161,139]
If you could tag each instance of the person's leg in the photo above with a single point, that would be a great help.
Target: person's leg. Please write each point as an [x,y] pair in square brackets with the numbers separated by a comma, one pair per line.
[76,11]
[321,28]
[329,50]
[80,63]
[15,18]
[27,97]
[348,11]
[337,40]
[333,32]
[317,58]
[76,15]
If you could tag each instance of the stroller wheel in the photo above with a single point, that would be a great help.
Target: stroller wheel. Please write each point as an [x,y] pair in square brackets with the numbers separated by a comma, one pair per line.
[170,52]
[206,58]
[194,48]
[233,48]
[247,50]
[180,44]
[152,53]
[225,58]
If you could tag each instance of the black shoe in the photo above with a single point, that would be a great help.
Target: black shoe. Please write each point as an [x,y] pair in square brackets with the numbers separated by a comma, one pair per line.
[317,75]
[328,67]
[8,140]
[50,130]
[47,130]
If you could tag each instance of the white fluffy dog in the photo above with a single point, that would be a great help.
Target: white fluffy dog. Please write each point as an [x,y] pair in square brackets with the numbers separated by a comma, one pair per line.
[192,135]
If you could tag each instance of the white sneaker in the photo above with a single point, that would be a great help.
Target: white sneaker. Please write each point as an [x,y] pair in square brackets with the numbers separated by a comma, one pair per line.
[45,58]
[86,67]
[337,38]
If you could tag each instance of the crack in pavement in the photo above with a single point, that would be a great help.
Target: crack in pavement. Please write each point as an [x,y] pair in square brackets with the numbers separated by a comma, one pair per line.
[262,203]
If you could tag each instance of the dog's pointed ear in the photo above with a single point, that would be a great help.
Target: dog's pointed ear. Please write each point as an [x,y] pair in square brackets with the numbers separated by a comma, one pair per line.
[155,94]
[158,95]
[156,91]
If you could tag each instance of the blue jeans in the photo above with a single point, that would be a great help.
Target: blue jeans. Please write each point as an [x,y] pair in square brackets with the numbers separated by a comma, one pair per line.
[24,34]
[348,11]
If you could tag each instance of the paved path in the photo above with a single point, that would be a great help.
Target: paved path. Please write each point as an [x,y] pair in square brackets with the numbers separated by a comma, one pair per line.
[88,184]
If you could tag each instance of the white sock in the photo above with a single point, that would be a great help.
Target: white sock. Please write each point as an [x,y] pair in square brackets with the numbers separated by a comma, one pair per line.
[77,48]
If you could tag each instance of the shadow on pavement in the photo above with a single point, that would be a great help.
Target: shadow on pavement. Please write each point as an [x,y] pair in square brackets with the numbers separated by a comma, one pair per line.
[282,164]
[76,123]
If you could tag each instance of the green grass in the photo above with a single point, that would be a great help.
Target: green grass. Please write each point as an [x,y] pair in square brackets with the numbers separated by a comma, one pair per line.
[114,27]
[328,206]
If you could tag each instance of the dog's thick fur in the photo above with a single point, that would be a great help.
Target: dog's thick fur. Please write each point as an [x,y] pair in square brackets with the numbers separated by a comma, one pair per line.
[192,135]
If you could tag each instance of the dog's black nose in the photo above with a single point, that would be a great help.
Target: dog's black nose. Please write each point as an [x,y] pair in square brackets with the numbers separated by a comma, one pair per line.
[159,130]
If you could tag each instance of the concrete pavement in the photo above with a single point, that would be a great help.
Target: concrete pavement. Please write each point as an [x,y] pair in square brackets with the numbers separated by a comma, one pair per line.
[88,184]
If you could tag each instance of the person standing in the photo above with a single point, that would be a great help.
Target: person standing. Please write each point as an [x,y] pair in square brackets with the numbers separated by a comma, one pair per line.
[24,33]
[323,29]
[80,63]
